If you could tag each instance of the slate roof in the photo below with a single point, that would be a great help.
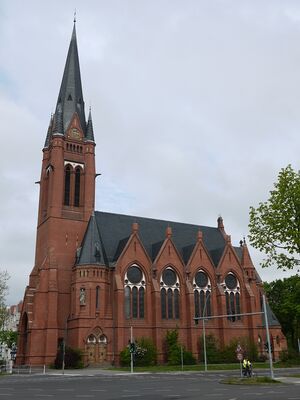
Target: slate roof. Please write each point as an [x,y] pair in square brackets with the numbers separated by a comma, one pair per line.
[113,230]
[70,98]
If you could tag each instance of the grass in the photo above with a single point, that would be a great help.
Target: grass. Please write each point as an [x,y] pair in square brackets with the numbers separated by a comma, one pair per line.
[258,380]
[200,367]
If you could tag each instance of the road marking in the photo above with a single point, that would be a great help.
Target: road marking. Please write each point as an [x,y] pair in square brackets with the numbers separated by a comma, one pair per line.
[130,395]
[44,395]
[5,394]
[66,390]
[98,390]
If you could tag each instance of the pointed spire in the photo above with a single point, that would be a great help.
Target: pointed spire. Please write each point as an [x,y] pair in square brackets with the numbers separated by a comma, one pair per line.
[58,127]
[246,259]
[70,98]
[89,128]
[49,132]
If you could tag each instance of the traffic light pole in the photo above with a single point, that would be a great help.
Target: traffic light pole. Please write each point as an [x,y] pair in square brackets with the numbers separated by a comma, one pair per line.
[241,315]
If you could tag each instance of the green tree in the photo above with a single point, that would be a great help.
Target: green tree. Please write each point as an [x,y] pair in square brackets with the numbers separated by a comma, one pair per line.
[175,349]
[9,338]
[275,224]
[284,299]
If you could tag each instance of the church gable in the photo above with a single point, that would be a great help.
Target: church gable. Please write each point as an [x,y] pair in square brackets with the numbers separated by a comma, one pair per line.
[133,252]
[74,130]
[200,257]
[169,255]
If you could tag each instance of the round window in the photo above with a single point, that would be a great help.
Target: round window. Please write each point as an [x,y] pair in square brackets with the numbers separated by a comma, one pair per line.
[201,279]
[231,281]
[169,277]
[134,274]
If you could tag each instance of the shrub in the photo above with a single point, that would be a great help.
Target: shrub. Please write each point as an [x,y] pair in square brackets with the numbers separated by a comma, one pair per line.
[175,351]
[145,353]
[212,349]
[73,358]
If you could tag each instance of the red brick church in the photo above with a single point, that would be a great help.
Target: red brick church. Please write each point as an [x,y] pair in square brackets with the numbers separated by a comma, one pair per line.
[96,274]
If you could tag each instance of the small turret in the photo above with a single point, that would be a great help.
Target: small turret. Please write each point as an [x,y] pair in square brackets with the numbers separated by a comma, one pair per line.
[89,128]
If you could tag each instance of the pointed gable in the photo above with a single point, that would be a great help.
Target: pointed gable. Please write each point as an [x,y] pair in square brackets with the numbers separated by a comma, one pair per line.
[115,229]
[132,249]
[92,250]
[168,251]
[199,255]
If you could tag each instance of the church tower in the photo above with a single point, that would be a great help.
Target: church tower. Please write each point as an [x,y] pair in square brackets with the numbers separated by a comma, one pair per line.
[66,202]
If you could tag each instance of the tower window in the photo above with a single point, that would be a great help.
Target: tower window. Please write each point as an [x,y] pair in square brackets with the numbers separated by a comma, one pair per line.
[67,185]
[70,98]
[77,188]
[97,297]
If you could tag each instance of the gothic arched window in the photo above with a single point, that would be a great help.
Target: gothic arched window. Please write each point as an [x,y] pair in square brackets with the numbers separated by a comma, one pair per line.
[202,294]
[232,293]
[134,292]
[77,187]
[169,294]
[67,185]
[97,298]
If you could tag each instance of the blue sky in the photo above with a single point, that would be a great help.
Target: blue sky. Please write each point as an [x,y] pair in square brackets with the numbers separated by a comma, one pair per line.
[195,107]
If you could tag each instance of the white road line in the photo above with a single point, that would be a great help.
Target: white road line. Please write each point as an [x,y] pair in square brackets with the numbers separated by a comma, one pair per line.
[5,394]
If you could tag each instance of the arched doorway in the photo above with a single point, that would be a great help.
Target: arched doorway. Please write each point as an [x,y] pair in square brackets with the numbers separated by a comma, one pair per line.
[96,346]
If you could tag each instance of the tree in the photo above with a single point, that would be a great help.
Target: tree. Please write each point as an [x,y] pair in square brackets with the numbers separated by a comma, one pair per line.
[275,224]
[284,299]
[175,350]
[4,277]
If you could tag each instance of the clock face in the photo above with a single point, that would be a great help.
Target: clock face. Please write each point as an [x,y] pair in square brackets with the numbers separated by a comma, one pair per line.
[75,133]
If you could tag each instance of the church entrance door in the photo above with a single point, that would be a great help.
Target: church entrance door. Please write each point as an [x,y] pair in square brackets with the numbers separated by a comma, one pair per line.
[96,349]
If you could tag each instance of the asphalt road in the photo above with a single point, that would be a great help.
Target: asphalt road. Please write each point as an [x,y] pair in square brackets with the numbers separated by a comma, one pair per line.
[190,386]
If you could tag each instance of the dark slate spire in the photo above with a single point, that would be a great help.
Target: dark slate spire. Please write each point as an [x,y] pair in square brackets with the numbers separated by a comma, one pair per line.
[92,251]
[89,128]
[49,132]
[58,127]
[70,98]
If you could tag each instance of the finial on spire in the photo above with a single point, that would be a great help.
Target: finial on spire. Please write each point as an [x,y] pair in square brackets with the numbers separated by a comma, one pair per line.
[74,16]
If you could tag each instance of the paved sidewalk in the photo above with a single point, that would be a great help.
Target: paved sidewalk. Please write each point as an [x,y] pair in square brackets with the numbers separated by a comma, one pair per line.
[288,379]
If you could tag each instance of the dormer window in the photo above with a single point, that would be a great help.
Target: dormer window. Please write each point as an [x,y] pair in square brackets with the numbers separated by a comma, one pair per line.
[70,98]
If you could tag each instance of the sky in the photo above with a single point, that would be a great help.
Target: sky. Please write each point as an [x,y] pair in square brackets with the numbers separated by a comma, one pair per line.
[195,109]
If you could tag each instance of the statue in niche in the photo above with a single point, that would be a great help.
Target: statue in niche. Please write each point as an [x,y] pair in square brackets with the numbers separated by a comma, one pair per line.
[82,296]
